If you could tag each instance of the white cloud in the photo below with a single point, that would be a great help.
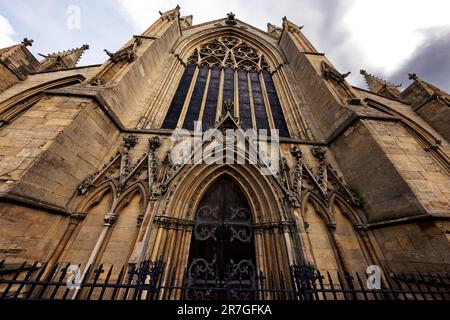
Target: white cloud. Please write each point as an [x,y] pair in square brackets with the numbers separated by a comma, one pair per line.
[380,36]
[143,13]
[6,33]
[387,32]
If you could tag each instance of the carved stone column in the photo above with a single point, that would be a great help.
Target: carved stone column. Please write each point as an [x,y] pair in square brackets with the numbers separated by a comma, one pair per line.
[109,221]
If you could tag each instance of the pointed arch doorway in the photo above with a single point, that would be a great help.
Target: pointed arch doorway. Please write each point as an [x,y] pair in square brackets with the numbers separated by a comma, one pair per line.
[222,249]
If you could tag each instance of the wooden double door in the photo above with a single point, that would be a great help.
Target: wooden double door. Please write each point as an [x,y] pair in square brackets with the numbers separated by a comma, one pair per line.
[221,261]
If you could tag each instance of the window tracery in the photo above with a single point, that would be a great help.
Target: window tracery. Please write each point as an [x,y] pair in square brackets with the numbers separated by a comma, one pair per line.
[229,52]
[226,69]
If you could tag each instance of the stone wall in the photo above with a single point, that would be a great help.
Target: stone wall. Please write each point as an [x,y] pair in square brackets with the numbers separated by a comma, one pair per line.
[414,247]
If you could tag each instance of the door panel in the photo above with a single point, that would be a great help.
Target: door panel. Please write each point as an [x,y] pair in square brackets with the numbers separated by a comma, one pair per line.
[222,252]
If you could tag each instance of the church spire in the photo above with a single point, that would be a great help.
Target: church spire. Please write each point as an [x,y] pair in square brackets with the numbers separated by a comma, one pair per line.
[63,60]
[380,86]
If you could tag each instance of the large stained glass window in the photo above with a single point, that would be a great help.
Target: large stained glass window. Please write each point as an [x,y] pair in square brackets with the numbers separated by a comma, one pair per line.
[226,69]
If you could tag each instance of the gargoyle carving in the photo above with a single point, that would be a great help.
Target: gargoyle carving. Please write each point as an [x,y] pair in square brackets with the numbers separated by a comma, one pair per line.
[127,53]
[329,73]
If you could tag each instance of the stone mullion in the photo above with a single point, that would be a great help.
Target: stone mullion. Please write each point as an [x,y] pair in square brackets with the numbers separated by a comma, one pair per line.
[205,96]
[266,101]
[373,247]
[147,251]
[274,243]
[163,244]
[260,252]
[147,235]
[188,98]
[236,94]
[360,234]
[220,96]
[289,246]
[252,103]
[130,256]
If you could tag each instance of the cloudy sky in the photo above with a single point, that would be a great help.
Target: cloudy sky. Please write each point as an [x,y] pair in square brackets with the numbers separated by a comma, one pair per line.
[386,37]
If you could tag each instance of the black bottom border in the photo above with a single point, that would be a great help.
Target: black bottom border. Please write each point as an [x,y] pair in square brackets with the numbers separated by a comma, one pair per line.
[220,309]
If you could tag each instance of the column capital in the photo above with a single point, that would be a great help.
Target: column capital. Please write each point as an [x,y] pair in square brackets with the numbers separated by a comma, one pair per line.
[77,216]
[110,219]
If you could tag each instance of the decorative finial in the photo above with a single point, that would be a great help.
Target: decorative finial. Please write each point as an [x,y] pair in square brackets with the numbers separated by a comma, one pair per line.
[231,19]
[85,47]
[228,105]
[27,42]
[412,76]
[363,72]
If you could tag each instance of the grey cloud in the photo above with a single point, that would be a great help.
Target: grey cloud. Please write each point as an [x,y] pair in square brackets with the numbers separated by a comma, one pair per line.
[105,25]
[430,61]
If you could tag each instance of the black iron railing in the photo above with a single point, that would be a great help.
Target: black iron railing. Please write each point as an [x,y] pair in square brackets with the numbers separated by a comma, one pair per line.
[149,281]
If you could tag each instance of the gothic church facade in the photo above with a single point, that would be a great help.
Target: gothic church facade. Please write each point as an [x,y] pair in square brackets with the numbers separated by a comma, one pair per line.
[86,175]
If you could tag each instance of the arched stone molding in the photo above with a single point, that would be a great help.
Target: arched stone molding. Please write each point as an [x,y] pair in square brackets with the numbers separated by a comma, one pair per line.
[274,58]
[95,196]
[177,214]
[16,105]
[124,198]
[184,48]
[351,214]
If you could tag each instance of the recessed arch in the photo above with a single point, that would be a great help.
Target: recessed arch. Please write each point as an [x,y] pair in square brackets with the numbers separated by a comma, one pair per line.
[97,193]
[132,190]
[16,105]
[222,238]
[188,190]
[315,200]
[346,209]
